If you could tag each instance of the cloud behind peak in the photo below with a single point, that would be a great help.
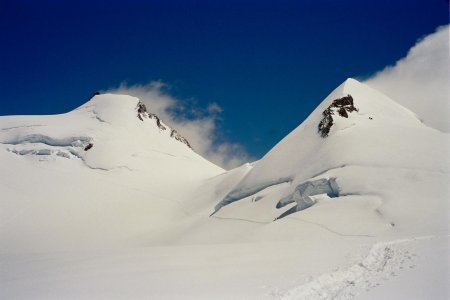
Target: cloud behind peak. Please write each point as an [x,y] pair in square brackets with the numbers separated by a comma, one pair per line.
[198,125]
[421,80]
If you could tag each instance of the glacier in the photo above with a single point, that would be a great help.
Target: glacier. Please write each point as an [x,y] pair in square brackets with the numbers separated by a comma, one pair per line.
[109,202]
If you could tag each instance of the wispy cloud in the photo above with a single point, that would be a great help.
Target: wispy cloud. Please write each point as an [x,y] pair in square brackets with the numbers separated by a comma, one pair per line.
[421,80]
[198,125]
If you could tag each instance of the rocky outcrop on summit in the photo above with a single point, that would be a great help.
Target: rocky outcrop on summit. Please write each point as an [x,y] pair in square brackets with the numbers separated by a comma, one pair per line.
[143,113]
[343,106]
[174,134]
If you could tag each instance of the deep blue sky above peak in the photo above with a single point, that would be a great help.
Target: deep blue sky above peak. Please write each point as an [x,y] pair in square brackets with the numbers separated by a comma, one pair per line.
[268,64]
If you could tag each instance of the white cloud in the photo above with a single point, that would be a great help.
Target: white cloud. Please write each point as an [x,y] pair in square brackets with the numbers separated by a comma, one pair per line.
[421,80]
[214,108]
[197,125]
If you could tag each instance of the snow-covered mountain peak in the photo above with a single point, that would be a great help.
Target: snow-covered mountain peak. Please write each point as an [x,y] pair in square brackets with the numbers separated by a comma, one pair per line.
[107,165]
[367,103]
[108,131]
[355,130]
[353,103]
[109,108]
[122,109]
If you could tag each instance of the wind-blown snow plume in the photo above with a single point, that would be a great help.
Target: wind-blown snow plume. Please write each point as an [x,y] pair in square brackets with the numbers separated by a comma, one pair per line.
[198,125]
[421,80]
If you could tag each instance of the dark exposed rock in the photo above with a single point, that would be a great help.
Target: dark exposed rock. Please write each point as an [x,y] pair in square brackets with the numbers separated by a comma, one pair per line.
[141,108]
[174,134]
[343,106]
[158,121]
[94,94]
[325,125]
[342,112]
[89,146]
[159,124]
[346,102]
[143,113]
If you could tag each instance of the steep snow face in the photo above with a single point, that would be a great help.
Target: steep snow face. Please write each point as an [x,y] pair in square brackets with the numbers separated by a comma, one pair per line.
[365,141]
[108,170]
[304,152]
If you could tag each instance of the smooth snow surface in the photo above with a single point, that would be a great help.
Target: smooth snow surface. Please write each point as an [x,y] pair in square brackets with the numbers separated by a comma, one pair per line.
[98,203]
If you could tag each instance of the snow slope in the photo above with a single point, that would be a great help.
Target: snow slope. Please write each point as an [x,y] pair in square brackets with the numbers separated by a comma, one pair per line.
[378,154]
[57,195]
[360,210]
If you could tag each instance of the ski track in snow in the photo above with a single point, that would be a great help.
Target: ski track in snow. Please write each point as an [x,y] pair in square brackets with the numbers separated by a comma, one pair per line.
[241,194]
[329,229]
[98,118]
[384,260]
[23,126]
[240,219]
[377,166]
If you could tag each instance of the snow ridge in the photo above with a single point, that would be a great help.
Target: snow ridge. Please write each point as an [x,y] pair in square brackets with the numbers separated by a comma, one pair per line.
[143,113]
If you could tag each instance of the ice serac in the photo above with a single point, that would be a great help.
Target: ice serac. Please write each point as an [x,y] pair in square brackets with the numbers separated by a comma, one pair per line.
[303,192]
[360,138]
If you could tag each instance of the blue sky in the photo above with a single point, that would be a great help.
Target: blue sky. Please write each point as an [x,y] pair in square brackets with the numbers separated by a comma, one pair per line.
[268,64]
